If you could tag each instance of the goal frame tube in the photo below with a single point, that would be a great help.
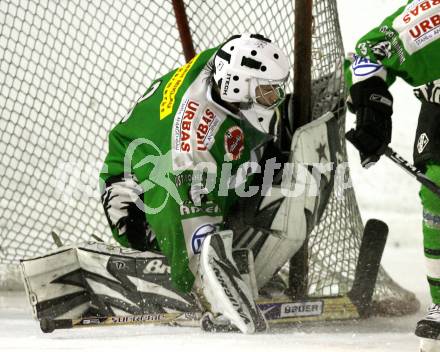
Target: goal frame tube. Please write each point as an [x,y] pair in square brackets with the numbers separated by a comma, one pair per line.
[302,92]
[184,30]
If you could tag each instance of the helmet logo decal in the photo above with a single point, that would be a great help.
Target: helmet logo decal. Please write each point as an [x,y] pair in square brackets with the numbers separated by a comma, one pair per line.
[226,86]
[234,142]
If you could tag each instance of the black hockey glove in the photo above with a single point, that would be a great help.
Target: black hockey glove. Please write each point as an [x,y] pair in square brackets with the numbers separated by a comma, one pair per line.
[373,105]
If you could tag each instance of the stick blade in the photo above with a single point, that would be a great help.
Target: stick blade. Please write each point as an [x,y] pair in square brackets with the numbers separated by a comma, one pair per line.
[367,269]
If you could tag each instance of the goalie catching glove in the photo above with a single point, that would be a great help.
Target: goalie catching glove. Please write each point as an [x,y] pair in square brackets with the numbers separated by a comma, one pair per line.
[372,103]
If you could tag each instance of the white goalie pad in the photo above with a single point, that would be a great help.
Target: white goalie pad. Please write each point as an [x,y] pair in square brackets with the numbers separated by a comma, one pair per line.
[223,286]
[308,181]
[95,279]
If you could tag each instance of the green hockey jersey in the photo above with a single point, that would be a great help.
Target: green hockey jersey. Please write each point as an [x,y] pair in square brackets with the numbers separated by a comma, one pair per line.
[186,155]
[406,44]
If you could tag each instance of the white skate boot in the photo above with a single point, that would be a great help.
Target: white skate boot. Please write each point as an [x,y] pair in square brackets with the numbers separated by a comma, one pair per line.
[428,329]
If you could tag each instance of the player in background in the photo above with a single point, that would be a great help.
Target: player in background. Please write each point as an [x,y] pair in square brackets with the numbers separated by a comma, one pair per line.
[406,45]
[163,182]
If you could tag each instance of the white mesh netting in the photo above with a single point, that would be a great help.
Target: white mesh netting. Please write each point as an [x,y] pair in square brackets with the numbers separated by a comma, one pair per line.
[70,70]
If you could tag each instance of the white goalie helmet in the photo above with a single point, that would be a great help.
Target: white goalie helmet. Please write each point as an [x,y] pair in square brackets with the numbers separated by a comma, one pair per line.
[252,71]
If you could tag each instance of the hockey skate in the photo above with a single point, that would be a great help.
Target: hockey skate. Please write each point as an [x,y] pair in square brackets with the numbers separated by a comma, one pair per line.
[276,287]
[428,329]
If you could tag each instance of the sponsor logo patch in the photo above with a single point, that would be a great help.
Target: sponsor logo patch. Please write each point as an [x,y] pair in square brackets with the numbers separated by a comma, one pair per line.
[188,178]
[392,36]
[302,309]
[234,142]
[381,99]
[205,135]
[233,296]
[183,124]
[191,209]
[199,236]
[120,265]
[422,142]
[416,9]
[419,24]
[382,50]
[173,85]
[362,66]
[424,29]
[157,266]
[226,85]
[138,318]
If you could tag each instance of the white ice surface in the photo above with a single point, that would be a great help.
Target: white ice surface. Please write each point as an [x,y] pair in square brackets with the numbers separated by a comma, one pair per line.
[383,192]
[18,332]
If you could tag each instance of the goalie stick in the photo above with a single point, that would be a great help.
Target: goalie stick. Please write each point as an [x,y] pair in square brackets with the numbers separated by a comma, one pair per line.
[356,304]
[178,319]
[278,312]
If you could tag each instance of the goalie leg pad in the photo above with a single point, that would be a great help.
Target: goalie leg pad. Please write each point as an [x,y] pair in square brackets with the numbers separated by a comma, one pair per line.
[304,195]
[224,288]
[95,279]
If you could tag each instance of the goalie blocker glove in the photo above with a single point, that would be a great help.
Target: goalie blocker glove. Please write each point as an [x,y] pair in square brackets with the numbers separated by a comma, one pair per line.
[122,200]
[373,105]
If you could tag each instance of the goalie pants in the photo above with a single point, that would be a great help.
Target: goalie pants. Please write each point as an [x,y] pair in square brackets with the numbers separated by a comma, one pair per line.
[427,157]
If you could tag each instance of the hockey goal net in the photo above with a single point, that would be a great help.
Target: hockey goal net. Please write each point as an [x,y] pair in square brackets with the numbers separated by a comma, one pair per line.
[71,70]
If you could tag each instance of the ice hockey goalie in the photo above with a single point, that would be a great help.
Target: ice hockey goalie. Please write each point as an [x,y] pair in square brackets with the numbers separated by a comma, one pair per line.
[208,192]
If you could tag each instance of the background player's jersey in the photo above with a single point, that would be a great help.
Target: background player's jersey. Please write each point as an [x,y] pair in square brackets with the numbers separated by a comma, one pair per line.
[174,132]
[406,44]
